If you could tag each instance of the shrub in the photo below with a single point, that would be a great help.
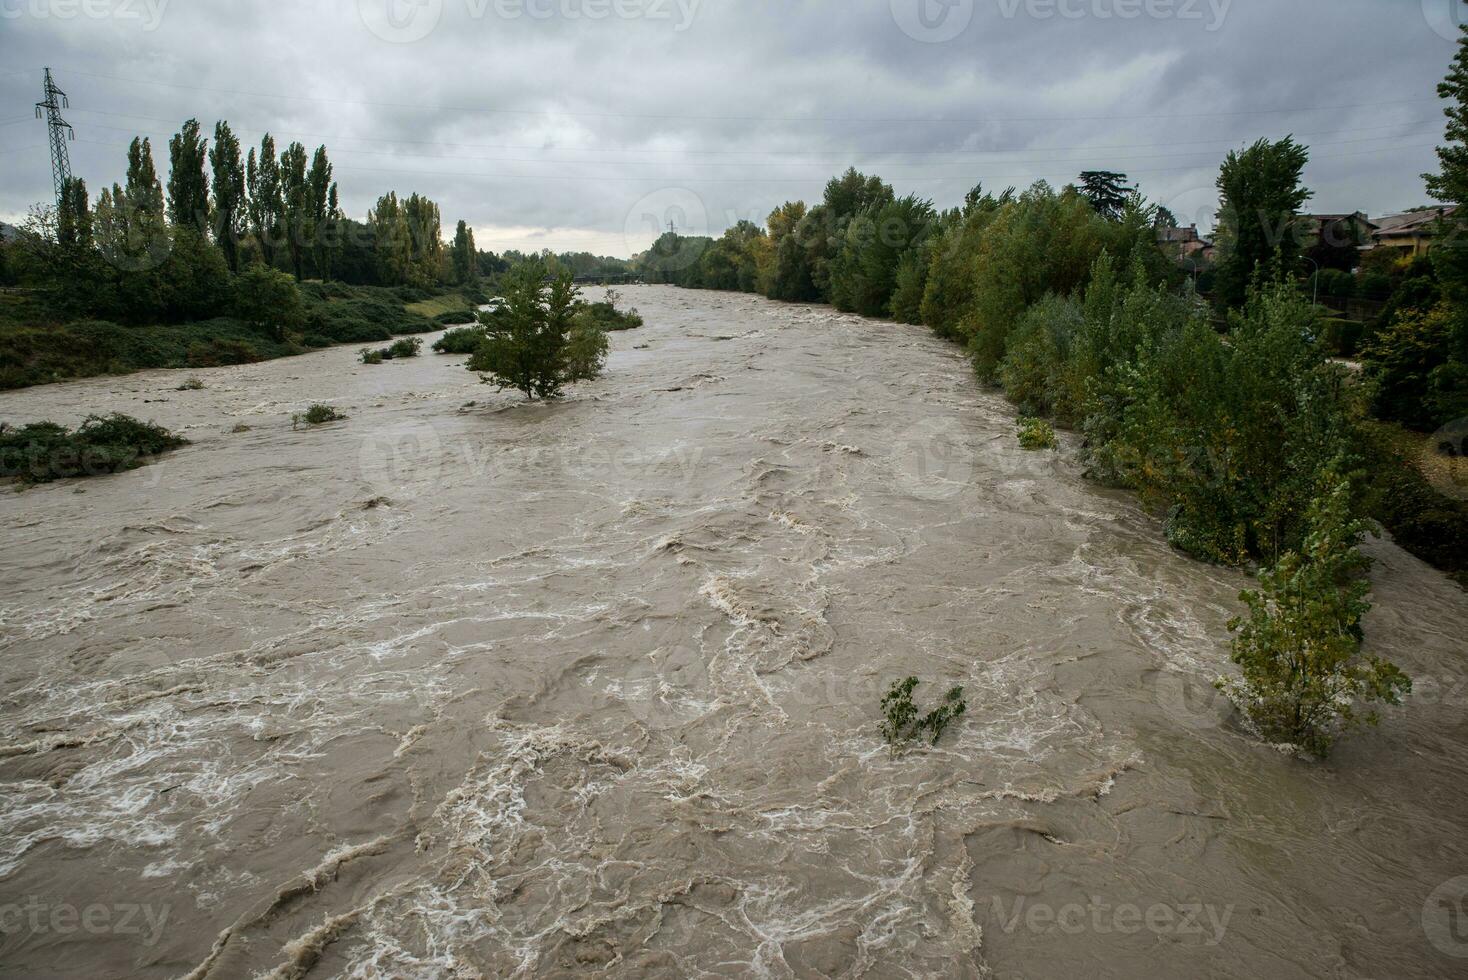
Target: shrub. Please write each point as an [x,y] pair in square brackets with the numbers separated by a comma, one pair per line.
[901,722]
[317,414]
[269,300]
[370,356]
[455,317]
[1299,648]
[221,351]
[1340,337]
[315,340]
[1415,377]
[1036,434]
[461,340]
[606,316]
[405,347]
[44,451]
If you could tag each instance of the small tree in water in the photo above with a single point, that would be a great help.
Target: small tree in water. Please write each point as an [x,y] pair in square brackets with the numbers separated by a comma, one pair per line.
[537,344]
[1299,648]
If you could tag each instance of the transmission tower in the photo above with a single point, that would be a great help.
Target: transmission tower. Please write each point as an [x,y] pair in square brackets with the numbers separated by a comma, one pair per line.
[61,131]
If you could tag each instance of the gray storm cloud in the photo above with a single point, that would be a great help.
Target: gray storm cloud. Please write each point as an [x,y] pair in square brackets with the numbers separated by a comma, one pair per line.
[544,123]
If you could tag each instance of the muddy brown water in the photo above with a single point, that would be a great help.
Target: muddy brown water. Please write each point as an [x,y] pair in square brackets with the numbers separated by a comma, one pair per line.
[513,690]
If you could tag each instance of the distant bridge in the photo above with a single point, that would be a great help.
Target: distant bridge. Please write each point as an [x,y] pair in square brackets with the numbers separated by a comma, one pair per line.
[624,279]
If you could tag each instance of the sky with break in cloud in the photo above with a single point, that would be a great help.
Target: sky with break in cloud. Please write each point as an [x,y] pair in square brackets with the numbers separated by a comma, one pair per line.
[585,124]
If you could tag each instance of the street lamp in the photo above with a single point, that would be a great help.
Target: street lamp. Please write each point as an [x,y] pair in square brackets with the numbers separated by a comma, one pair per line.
[1315,278]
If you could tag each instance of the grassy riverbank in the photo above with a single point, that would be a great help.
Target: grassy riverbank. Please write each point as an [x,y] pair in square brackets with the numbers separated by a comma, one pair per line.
[38,348]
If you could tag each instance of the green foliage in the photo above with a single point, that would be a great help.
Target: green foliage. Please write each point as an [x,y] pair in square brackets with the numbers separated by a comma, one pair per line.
[1107,192]
[539,344]
[44,451]
[188,188]
[460,340]
[863,272]
[1423,521]
[1257,229]
[606,315]
[1042,242]
[456,317]
[1340,337]
[1036,434]
[1304,677]
[901,722]
[1411,364]
[316,414]
[269,300]
[400,348]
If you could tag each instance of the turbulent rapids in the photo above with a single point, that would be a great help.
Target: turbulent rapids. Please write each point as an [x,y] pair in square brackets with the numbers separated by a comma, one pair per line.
[464,686]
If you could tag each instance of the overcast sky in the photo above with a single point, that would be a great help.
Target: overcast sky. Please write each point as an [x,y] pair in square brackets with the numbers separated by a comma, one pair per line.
[580,124]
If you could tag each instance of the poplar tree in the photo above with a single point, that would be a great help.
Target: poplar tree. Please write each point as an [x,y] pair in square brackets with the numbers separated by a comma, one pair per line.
[229,193]
[295,195]
[188,189]
[262,177]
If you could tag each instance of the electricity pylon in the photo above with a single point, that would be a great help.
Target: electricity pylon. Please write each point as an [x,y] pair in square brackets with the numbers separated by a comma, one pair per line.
[61,131]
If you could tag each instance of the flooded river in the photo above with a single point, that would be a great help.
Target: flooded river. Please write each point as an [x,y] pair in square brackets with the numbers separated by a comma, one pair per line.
[466,687]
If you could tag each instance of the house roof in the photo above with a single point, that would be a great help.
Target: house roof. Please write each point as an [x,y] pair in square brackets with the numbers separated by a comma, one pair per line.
[1411,222]
[1329,218]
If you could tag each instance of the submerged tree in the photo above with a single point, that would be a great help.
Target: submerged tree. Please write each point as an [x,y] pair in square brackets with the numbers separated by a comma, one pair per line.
[536,343]
[1299,649]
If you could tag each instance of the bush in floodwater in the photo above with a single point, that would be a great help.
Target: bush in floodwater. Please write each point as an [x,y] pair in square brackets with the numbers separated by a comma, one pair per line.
[1036,434]
[606,315]
[402,347]
[537,343]
[460,340]
[317,414]
[1299,649]
[44,451]
[901,721]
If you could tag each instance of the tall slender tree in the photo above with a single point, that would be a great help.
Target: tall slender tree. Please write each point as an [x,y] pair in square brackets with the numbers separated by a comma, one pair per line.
[73,218]
[295,196]
[188,188]
[464,257]
[320,208]
[1450,184]
[262,177]
[229,193]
